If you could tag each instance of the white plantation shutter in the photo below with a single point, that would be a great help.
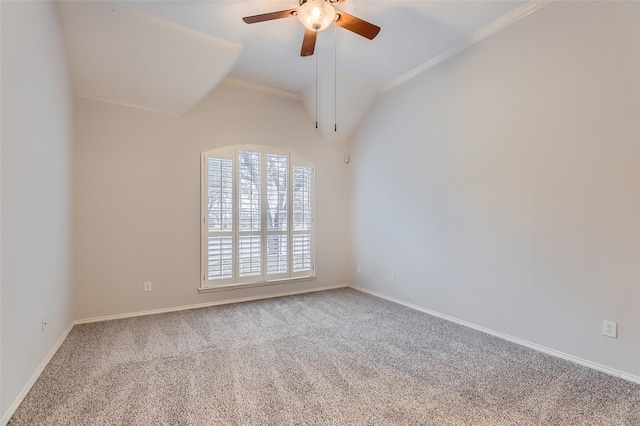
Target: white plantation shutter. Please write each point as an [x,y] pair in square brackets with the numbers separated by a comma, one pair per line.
[277,215]
[302,252]
[277,259]
[302,220]
[257,220]
[220,194]
[249,191]
[220,258]
[218,247]
[249,256]
[249,214]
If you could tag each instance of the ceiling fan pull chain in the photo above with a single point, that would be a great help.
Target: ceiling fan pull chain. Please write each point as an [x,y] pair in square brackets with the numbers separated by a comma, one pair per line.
[335,78]
[317,90]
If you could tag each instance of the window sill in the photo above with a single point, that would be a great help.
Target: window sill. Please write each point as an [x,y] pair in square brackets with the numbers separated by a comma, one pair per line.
[256,284]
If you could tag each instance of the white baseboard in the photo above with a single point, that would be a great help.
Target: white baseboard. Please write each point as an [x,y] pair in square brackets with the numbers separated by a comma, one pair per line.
[205,305]
[539,348]
[45,362]
[16,403]
[36,374]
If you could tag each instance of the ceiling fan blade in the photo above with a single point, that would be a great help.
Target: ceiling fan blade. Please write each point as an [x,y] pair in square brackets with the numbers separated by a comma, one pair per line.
[309,42]
[270,16]
[357,25]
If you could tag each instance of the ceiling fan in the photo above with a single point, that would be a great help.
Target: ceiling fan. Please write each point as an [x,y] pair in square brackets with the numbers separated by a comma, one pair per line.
[317,15]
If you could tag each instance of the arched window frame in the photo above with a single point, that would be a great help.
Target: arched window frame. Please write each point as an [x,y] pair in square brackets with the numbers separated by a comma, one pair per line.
[232,231]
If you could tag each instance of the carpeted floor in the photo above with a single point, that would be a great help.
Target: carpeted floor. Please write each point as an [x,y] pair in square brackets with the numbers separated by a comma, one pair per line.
[336,357]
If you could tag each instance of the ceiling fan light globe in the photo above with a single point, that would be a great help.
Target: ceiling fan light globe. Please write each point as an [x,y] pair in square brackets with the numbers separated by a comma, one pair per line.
[316,15]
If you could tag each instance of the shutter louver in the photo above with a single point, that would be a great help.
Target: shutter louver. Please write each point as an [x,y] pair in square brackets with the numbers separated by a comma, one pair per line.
[249,214]
[277,258]
[249,191]
[301,252]
[302,219]
[220,258]
[249,255]
[301,198]
[277,166]
[219,219]
[220,194]
[277,218]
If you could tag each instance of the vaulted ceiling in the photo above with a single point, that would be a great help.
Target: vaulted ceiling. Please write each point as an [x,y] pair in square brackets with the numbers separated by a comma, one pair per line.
[167,55]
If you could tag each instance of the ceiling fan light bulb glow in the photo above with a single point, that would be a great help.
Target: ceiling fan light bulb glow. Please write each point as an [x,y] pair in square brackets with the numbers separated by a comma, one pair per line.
[316,15]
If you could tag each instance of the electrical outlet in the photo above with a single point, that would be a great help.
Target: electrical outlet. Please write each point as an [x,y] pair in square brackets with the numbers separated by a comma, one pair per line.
[43,324]
[147,286]
[392,278]
[358,268]
[610,329]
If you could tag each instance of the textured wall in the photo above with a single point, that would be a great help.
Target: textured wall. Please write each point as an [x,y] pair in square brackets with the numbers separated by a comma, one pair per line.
[502,186]
[36,188]
[137,197]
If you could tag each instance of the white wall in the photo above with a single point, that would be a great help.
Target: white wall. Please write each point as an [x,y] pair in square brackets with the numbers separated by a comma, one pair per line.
[137,197]
[502,186]
[36,146]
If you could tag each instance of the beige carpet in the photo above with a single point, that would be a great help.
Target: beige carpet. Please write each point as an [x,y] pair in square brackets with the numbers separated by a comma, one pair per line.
[337,357]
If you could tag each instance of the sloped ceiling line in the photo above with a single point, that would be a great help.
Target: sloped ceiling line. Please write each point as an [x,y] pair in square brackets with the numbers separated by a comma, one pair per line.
[166,56]
[118,54]
[497,25]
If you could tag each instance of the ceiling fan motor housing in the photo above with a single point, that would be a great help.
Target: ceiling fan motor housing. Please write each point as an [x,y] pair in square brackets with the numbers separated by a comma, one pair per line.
[316,15]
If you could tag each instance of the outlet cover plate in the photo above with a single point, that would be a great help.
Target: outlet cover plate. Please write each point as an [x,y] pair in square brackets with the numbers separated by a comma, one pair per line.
[147,286]
[610,329]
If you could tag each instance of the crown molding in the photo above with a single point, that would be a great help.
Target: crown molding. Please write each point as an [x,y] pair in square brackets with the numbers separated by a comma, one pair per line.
[261,88]
[127,105]
[497,25]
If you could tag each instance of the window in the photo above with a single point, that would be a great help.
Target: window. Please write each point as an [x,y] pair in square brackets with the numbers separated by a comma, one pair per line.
[257,216]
